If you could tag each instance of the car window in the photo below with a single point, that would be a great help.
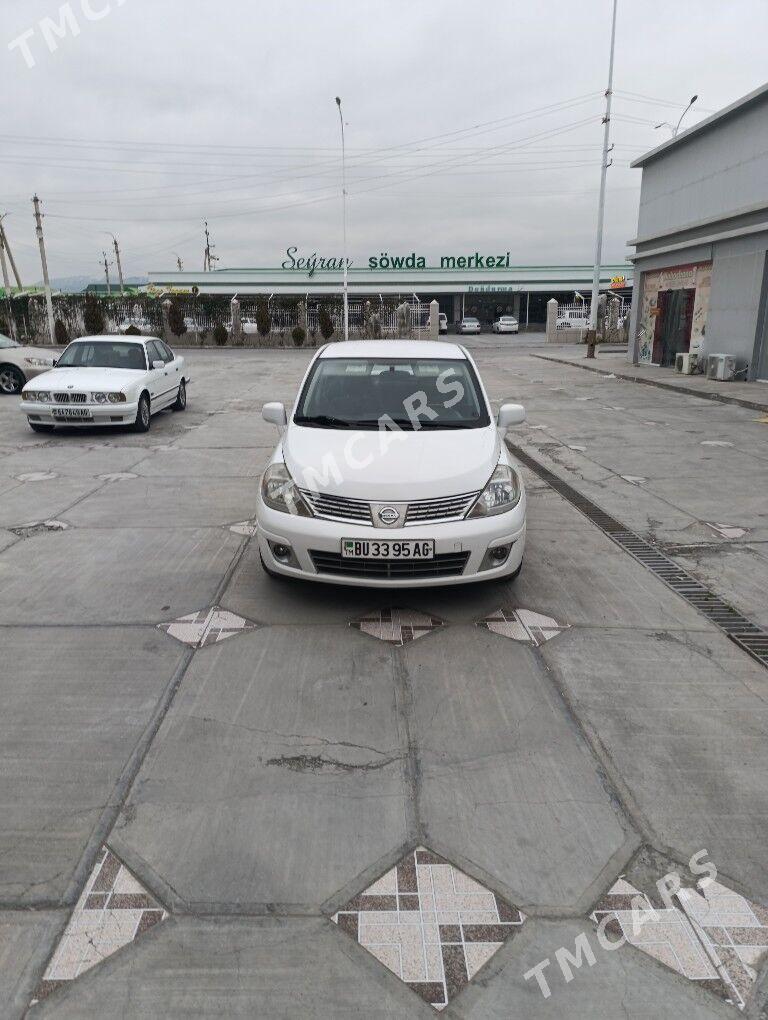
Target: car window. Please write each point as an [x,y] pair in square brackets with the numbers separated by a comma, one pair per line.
[153,353]
[373,393]
[5,341]
[90,354]
[165,351]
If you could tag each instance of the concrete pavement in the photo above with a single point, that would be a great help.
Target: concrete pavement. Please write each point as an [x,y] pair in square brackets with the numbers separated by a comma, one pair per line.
[269,770]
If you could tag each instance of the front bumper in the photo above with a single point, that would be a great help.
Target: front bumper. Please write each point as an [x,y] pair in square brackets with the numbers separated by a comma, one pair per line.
[99,414]
[474,537]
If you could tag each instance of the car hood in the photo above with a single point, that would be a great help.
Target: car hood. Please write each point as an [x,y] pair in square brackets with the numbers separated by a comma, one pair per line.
[391,466]
[19,353]
[87,378]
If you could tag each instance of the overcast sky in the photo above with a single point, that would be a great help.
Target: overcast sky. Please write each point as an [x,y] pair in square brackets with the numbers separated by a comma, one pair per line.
[470,126]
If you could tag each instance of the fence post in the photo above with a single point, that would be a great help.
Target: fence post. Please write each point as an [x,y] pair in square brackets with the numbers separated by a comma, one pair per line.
[612,331]
[237,327]
[167,320]
[434,320]
[552,321]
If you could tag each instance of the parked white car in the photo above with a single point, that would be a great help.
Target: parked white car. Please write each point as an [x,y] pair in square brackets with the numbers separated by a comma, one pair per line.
[469,324]
[442,322]
[106,380]
[19,363]
[392,471]
[506,324]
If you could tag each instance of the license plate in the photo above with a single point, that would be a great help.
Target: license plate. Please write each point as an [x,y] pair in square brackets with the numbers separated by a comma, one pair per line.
[71,412]
[370,549]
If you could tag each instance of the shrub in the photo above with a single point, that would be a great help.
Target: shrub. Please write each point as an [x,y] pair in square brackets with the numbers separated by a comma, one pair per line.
[176,322]
[60,334]
[263,318]
[299,335]
[93,317]
[133,330]
[220,335]
[326,323]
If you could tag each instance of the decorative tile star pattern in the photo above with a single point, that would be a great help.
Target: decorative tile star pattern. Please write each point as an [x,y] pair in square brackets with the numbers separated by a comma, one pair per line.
[112,911]
[117,476]
[634,479]
[397,626]
[430,924]
[523,625]
[715,936]
[36,476]
[248,528]
[206,627]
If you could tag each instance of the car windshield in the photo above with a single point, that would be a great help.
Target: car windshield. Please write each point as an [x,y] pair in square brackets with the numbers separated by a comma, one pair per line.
[386,393]
[468,318]
[87,354]
[5,341]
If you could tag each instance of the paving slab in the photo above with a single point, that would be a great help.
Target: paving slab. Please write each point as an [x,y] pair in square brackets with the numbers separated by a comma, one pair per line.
[263,968]
[167,502]
[180,462]
[72,459]
[620,983]
[73,710]
[277,776]
[507,783]
[26,940]
[40,500]
[113,575]
[684,720]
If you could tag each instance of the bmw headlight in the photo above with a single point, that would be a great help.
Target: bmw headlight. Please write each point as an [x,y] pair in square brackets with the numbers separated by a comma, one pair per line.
[502,493]
[279,491]
[28,395]
[40,362]
[116,398]
[99,398]
[44,396]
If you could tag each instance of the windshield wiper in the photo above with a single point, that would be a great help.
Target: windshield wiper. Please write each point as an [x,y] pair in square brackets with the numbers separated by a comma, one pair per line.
[323,420]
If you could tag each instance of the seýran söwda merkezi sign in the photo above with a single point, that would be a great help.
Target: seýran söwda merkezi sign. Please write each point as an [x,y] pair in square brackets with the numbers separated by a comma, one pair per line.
[311,264]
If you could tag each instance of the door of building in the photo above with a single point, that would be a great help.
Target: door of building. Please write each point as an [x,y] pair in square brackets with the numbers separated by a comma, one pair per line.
[673,325]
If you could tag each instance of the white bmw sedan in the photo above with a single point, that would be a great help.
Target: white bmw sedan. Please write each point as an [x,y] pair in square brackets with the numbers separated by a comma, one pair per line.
[392,471]
[107,380]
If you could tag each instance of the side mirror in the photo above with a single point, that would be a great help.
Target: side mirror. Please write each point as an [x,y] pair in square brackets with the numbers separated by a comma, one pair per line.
[510,414]
[54,363]
[274,413]
[158,364]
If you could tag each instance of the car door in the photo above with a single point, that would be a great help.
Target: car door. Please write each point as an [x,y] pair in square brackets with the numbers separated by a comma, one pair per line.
[158,377]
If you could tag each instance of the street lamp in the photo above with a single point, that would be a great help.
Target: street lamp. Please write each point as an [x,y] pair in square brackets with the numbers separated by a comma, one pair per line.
[344,218]
[676,128]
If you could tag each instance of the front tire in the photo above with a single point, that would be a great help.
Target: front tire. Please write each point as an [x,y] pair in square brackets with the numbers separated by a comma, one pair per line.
[143,415]
[181,399]
[12,379]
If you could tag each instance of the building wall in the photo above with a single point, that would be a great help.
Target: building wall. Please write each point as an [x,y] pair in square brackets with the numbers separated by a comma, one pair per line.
[714,175]
[737,281]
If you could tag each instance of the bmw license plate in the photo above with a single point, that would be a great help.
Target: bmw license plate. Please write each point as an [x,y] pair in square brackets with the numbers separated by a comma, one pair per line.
[369,549]
[71,412]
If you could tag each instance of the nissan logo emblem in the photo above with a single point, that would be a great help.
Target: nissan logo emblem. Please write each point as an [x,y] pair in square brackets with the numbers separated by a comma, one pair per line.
[388,515]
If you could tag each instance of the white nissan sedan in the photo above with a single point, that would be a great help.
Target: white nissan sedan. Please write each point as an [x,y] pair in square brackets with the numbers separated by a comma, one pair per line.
[392,471]
[107,380]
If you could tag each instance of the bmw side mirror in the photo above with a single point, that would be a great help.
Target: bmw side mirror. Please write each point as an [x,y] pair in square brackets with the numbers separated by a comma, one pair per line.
[274,413]
[510,414]
[158,364]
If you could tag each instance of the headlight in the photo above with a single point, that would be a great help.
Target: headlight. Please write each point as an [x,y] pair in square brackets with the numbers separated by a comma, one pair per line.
[28,395]
[99,398]
[116,398]
[279,491]
[500,494]
[47,362]
[44,396]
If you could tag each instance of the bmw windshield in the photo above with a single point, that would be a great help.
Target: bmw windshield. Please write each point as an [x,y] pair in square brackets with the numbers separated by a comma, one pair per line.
[86,354]
[387,393]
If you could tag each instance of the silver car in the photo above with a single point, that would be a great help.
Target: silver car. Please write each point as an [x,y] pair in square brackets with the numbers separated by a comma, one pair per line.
[19,364]
[469,324]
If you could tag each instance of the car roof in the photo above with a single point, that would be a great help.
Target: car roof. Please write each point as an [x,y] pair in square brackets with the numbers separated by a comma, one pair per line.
[392,349]
[125,338]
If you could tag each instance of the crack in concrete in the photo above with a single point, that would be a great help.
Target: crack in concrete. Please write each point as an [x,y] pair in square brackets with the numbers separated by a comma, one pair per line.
[317,763]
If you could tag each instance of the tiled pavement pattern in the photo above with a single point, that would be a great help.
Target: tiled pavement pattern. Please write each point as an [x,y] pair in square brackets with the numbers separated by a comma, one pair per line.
[397,626]
[206,627]
[523,625]
[112,911]
[430,924]
[727,530]
[247,528]
[715,936]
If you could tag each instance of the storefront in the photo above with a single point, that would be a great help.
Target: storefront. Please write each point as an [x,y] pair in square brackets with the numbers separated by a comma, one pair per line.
[673,311]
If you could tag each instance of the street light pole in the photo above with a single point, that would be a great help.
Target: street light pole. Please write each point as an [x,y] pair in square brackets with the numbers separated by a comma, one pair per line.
[603,174]
[344,218]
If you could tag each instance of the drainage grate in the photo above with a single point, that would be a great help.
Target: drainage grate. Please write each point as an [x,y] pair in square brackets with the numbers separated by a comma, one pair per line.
[740,630]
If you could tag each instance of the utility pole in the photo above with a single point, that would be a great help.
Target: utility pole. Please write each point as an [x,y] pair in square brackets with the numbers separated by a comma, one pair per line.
[119,266]
[44,261]
[4,244]
[106,274]
[603,175]
[344,218]
[209,258]
[179,262]
[6,283]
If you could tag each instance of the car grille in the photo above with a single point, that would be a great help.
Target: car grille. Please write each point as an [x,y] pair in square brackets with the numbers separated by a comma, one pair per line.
[423,511]
[442,565]
[69,398]
[336,508]
[447,509]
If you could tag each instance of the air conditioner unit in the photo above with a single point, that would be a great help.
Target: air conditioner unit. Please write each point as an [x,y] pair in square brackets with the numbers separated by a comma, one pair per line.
[725,367]
[685,364]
